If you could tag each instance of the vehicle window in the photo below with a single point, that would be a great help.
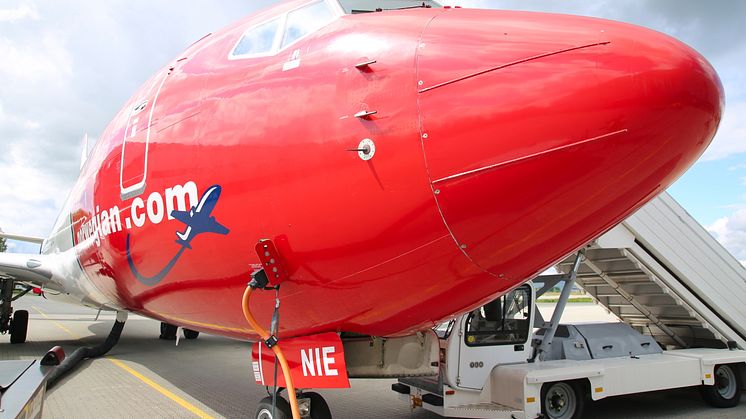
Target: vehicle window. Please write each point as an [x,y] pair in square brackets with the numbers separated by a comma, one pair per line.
[503,321]
[306,20]
[443,330]
[258,40]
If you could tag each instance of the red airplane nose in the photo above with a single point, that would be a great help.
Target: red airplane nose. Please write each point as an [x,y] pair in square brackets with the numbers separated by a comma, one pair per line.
[541,131]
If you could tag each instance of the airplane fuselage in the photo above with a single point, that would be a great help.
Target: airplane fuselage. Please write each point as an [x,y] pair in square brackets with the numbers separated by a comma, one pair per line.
[503,142]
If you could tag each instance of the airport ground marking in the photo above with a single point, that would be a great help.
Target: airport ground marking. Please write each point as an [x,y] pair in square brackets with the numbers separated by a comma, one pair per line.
[58,324]
[183,403]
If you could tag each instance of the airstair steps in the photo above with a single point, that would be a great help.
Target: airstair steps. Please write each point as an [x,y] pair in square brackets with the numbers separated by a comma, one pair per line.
[663,273]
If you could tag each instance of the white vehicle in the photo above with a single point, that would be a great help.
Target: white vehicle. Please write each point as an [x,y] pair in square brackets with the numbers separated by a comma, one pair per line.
[676,292]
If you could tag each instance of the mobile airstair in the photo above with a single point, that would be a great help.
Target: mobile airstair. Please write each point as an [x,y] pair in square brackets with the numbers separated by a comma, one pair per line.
[662,273]
[678,292]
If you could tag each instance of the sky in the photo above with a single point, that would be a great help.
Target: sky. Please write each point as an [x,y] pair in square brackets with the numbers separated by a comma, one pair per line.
[67,67]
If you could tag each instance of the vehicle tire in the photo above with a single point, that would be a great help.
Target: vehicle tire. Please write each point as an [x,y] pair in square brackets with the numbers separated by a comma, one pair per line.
[190,334]
[282,409]
[319,407]
[727,389]
[19,326]
[168,331]
[563,400]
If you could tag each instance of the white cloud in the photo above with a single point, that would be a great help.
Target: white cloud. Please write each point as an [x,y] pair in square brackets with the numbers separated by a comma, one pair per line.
[730,231]
[16,121]
[731,136]
[30,198]
[20,12]
[37,61]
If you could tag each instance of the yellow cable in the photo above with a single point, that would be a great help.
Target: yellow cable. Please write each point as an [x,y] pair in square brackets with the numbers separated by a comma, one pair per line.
[276,349]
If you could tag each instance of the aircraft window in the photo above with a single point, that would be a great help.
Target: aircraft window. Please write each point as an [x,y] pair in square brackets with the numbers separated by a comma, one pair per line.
[504,321]
[306,20]
[258,40]
[368,6]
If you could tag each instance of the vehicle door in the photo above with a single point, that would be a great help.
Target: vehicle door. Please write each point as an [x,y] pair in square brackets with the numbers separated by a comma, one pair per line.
[494,334]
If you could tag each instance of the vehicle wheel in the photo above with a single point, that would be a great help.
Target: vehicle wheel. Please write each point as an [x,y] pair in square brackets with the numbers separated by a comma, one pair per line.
[168,331]
[562,400]
[727,389]
[19,326]
[319,408]
[282,409]
[190,334]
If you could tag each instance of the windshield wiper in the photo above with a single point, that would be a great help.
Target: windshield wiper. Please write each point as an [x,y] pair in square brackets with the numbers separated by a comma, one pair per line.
[423,5]
[420,6]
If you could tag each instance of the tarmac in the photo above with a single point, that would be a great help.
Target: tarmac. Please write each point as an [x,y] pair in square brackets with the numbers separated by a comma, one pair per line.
[211,376]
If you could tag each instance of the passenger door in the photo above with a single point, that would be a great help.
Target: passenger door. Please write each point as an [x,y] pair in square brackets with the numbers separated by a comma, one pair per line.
[134,163]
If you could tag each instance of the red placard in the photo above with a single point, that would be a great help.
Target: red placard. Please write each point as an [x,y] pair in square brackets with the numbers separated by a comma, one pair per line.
[315,361]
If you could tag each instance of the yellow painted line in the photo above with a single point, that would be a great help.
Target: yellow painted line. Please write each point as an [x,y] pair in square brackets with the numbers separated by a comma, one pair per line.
[157,387]
[40,312]
[58,324]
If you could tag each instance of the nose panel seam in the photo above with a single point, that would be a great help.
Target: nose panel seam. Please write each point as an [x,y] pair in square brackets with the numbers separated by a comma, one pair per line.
[530,156]
[501,66]
[420,43]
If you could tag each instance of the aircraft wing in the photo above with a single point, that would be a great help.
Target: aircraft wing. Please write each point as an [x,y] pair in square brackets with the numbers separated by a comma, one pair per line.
[216,227]
[35,269]
[182,216]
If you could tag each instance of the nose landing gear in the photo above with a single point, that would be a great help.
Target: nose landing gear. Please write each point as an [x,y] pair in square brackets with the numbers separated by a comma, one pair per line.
[14,322]
[310,406]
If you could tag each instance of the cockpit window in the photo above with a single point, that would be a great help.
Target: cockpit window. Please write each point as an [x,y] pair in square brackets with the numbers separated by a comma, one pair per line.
[305,20]
[258,40]
[270,37]
[368,6]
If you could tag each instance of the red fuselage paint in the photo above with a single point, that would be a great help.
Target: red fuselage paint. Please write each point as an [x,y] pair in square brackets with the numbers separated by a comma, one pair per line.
[504,141]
